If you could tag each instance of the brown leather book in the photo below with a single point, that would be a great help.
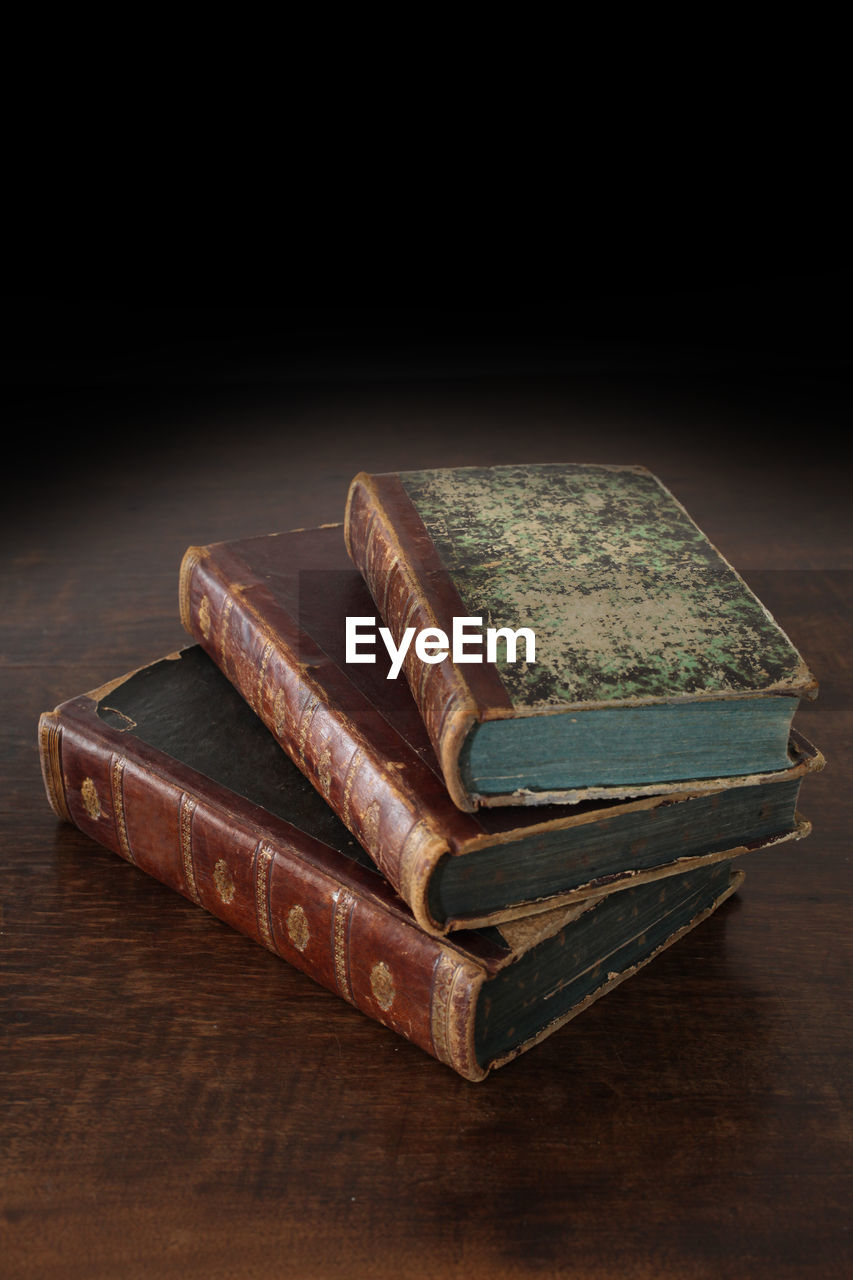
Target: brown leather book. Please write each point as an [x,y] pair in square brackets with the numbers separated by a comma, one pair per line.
[600,644]
[170,769]
[271,611]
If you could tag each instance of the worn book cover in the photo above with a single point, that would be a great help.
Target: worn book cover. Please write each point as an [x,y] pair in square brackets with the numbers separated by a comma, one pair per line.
[653,661]
[272,610]
[170,769]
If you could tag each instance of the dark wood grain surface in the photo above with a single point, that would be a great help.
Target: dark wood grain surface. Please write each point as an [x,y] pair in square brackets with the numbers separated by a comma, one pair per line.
[178,1102]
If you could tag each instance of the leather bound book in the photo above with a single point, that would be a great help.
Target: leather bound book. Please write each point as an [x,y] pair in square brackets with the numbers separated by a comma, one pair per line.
[169,768]
[625,652]
[272,610]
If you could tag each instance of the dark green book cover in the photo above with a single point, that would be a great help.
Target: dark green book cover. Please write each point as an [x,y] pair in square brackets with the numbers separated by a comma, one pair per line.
[653,659]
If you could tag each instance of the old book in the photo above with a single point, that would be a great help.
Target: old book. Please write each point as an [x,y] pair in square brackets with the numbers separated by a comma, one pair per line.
[169,768]
[651,661]
[271,611]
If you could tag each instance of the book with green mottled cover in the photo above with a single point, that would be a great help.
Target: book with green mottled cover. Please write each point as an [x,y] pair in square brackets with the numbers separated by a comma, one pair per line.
[652,660]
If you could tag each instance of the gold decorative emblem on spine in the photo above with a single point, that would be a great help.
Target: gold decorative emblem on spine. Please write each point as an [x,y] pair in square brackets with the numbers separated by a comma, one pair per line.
[91,799]
[311,706]
[444,980]
[262,671]
[223,882]
[51,766]
[223,631]
[297,927]
[370,827]
[382,985]
[117,781]
[190,561]
[262,895]
[324,771]
[352,770]
[279,713]
[204,617]
[188,806]
[344,903]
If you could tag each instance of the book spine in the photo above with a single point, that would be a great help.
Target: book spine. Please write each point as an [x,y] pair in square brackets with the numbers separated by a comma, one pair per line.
[291,686]
[384,550]
[333,931]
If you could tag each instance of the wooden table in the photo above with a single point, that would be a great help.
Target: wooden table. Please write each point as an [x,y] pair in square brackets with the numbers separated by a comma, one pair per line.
[178,1102]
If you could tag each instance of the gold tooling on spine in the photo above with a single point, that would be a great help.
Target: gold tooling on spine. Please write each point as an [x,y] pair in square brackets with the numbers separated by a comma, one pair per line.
[262,671]
[188,807]
[344,903]
[352,770]
[190,561]
[117,783]
[297,927]
[223,631]
[311,706]
[265,857]
[446,976]
[51,767]
[91,799]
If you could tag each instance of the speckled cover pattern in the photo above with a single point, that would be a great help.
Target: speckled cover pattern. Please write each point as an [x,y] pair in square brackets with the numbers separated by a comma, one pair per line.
[627,597]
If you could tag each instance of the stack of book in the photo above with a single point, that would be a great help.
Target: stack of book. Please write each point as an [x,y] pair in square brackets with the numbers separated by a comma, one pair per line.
[470,758]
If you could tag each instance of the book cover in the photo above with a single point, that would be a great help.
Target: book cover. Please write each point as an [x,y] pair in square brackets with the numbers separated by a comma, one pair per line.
[271,611]
[170,769]
[652,661]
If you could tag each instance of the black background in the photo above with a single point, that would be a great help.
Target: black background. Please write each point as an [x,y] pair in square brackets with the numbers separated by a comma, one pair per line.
[101,369]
